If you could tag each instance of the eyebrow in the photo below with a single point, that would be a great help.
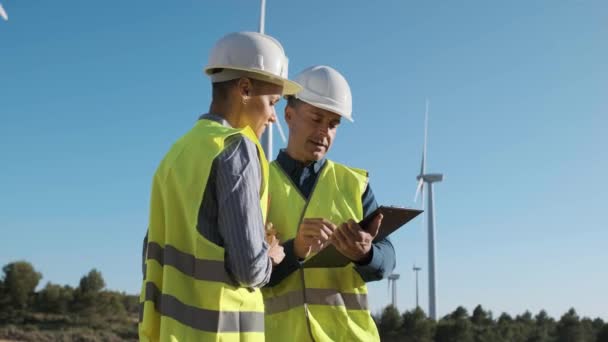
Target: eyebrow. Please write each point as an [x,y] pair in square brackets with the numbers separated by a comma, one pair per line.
[316,112]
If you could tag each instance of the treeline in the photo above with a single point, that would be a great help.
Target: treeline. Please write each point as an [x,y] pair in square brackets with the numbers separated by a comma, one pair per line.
[88,312]
[56,312]
[481,326]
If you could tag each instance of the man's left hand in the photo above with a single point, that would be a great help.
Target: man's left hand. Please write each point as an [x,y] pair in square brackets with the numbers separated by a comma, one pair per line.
[354,242]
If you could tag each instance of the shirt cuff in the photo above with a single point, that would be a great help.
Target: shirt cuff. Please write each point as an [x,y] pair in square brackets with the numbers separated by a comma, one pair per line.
[373,262]
[291,259]
[289,265]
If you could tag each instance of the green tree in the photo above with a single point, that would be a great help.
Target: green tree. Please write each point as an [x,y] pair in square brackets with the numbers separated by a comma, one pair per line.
[416,327]
[505,327]
[92,282]
[602,336]
[55,298]
[109,304]
[597,324]
[588,328]
[483,325]
[390,322]
[5,301]
[543,329]
[524,326]
[569,328]
[87,295]
[455,327]
[131,303]
[20,281]
[481,317]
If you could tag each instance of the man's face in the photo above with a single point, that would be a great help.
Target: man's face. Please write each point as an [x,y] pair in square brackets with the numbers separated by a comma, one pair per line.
[259,105]
[311,131]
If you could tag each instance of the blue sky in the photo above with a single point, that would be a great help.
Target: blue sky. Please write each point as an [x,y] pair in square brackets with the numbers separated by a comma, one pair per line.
[92,94]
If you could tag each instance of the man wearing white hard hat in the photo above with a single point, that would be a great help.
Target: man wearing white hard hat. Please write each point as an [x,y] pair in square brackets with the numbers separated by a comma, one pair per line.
[316,201]
[205,253]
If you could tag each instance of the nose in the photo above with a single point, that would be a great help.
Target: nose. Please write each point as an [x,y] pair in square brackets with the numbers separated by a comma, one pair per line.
[273,116]
[324,129]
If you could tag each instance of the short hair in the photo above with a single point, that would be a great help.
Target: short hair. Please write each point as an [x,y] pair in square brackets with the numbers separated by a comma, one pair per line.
[219,90]
[293,102]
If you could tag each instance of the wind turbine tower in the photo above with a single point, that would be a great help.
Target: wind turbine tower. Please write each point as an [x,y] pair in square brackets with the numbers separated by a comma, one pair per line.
[392,284]
[416,270]
[266,140]
[429,179]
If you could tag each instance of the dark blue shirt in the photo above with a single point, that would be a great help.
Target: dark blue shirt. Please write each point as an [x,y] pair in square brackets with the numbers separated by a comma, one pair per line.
[382,258]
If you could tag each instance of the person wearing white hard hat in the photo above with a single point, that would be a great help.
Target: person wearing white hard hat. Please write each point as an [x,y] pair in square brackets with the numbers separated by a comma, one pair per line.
[314,202]
[205,252]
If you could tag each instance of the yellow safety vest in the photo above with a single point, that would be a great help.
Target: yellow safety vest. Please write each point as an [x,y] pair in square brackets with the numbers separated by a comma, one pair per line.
[318,304]
[187,295]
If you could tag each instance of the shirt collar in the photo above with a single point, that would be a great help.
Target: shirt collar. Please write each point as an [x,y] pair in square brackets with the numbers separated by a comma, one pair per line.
[216,118]
[290,165]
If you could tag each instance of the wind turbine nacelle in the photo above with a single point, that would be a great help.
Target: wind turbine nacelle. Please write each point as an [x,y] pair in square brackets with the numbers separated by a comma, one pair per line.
[433,177]
[393,276]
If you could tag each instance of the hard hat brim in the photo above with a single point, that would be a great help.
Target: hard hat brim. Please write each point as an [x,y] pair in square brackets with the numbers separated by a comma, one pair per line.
[289,87]
[328,108]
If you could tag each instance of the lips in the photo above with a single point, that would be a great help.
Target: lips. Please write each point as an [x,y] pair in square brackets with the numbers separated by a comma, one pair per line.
[318,144]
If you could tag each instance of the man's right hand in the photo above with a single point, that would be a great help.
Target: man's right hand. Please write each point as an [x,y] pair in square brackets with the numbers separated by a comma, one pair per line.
[275,252]
[313,235]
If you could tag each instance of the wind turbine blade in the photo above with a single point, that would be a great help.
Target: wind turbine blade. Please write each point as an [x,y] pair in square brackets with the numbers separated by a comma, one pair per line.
[419,188]
[3,13]
[423,216]
[280,128]
[426,128]
[422,200]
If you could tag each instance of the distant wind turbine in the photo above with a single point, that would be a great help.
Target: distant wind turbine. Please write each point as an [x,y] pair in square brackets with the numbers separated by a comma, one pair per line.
[266,140]
[392,282]
[429,179]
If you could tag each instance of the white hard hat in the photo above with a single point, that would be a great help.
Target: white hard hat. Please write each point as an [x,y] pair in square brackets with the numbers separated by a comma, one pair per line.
[250,54]
[324,87]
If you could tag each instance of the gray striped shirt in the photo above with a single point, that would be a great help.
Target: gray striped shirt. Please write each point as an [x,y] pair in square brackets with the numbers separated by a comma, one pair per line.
[230,214]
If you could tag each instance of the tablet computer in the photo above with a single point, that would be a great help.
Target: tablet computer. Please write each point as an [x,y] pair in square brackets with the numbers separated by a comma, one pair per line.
[393,219]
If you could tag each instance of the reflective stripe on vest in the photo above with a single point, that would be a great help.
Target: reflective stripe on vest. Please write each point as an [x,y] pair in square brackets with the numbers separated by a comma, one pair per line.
[201,319]
[201,269]
[289,300]
[320,304]
[187,295]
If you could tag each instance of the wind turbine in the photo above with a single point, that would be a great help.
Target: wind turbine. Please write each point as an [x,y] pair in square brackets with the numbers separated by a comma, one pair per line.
[267,136]
[3,13]
[416,270]
[392,282]
[429,179]
[266,140]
